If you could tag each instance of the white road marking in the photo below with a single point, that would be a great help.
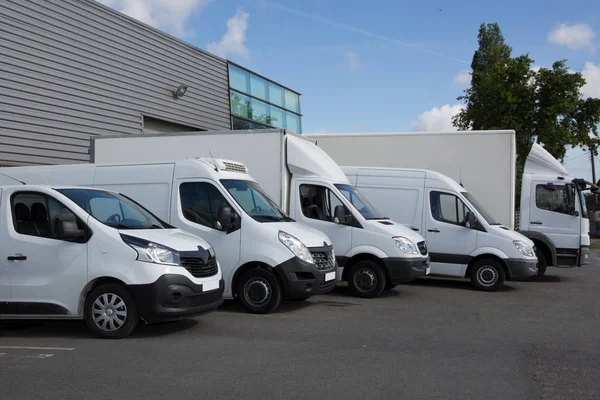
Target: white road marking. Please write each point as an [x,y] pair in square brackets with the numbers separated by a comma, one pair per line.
[37,348]
[36,356]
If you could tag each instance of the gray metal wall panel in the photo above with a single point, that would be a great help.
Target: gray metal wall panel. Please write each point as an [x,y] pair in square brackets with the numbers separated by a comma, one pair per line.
[71,69]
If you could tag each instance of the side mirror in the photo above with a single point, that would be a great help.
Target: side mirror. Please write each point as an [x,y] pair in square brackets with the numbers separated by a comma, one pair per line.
[339,215]
[471,220]
[225,218]
[67,228]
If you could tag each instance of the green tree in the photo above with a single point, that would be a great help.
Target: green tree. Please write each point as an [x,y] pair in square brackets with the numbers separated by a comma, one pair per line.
[547,105]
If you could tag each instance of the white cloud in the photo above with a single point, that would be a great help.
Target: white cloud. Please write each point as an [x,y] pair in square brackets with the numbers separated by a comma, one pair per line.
[437,119]
[578,36]
[234,41]
[352,60]
[168,15]
[591,73]
[463,78]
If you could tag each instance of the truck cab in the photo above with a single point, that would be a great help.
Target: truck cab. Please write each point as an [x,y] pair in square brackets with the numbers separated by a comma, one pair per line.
[373,252]
[463,239]
[553,212]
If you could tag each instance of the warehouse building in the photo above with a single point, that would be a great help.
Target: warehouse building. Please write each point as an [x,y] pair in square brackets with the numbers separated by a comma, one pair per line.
[70,69]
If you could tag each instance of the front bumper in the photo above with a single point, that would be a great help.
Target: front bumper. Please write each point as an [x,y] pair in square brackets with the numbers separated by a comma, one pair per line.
[301,279]
[173,297]
[519,269]
[400,270]
[584,256]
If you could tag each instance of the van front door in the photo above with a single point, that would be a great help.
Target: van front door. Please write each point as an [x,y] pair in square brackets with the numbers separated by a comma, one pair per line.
[196,206]
[4,277]
[449,241]
[47,273]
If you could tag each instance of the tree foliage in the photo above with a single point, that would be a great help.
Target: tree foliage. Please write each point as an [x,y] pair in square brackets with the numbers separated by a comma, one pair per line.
[547,105]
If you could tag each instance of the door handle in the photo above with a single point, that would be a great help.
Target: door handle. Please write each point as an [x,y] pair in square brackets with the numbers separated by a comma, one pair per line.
[536,223]
[414,229]
[18,257]
[433,230]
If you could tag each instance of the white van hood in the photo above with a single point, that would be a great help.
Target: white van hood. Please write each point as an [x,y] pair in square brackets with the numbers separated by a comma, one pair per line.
[307,235]
[501,230]
[382,226]
[176,239]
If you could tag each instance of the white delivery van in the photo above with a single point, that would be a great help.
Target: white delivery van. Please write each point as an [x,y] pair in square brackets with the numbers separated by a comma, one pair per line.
[265,256]
[78,253]
[552,205]
[462,238]
[373,252]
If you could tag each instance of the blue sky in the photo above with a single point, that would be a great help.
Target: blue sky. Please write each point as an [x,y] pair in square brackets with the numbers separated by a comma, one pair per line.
[381,65]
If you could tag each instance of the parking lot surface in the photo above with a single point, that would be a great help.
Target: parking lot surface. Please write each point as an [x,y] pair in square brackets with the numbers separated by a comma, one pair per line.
[432,339]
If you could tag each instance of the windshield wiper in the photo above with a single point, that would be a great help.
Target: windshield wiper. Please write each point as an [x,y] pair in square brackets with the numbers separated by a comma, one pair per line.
[269,217]
[156,226]
[373,218]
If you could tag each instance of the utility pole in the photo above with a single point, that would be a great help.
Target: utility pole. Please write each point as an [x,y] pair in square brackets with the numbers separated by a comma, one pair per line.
[593,167]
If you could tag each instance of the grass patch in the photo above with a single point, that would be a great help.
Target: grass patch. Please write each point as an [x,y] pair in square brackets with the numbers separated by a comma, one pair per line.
[594,246]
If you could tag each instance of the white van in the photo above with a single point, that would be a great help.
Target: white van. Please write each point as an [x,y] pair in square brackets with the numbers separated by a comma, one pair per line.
[463,240]
[79,253]
[265,255]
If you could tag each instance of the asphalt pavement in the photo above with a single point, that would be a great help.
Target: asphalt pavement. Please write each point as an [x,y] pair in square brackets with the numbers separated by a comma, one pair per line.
[432,339]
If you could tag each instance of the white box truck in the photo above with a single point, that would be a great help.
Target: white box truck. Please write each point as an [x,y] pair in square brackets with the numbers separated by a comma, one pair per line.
[463,240]
[373,253]
[552,208]
[265,257]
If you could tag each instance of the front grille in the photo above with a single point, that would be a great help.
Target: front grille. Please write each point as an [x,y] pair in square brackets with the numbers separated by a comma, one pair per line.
[198,268]
[422,247]
[323,261]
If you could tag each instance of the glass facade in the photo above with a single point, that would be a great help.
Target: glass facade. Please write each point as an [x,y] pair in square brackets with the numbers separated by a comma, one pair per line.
[257,103]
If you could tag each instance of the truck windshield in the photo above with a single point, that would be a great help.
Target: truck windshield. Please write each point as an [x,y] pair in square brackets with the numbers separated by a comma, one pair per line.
[488,218]
[114,209]
[250,196]
[362,205]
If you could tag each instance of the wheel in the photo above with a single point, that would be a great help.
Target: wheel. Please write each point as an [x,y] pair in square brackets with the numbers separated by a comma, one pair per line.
[366,279]
[487,275]
[259,291]
[542,263]
[111,312]
[389,285]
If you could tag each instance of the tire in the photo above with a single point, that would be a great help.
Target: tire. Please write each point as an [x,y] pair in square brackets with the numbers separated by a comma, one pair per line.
[110,311]
[259,291]
[366,279]
[542,262]
[389,285]
[487,275]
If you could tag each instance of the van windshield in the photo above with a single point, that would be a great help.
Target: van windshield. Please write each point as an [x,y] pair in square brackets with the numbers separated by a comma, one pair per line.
[488,218]
[114,209]
[362,205]
[250,196]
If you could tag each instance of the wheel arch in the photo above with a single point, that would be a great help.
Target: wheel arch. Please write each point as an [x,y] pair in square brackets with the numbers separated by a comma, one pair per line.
[248,267]
[487,256]
[544,244]
[364,257]
[91,285]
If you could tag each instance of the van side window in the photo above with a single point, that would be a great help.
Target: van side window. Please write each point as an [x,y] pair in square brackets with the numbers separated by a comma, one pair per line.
[448,208]
[318,202]
[201,203]
[37,214]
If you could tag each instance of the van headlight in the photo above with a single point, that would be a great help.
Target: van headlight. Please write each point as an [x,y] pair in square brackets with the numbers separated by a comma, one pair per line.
[296,247]
[405,245]
[152,252]
[524,248]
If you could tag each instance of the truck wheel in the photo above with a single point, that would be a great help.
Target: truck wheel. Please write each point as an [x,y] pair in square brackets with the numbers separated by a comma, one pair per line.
[487,275]
[542,263]
[259,291]
[110,311]
[366,279]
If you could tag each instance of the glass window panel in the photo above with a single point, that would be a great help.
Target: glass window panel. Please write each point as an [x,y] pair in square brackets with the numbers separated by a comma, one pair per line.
[238,79]
[258,87]
[277,115]
[275,95]
[291,101]
[241,105]
[242,124]
[260,112]
[292,122]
